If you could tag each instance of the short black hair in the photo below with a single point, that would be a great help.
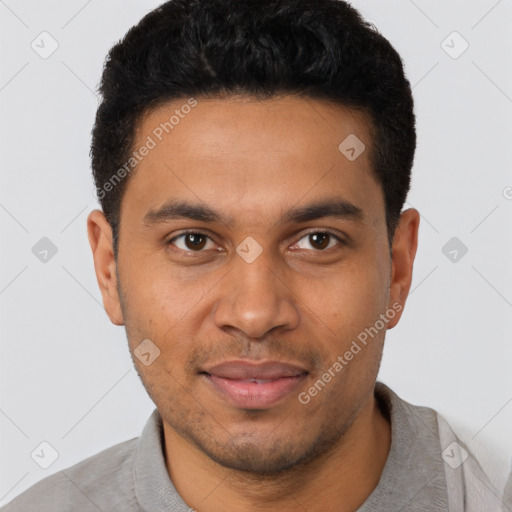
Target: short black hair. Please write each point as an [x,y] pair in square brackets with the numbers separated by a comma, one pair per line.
[319,49]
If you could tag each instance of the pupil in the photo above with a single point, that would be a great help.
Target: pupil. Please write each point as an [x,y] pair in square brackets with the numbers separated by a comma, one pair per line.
[321,240]
[195,241]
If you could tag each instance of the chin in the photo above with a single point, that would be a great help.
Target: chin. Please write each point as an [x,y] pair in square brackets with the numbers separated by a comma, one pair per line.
[253,460]
[268,459]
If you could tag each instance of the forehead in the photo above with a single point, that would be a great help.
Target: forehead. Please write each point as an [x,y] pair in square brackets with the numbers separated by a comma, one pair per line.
[259,154]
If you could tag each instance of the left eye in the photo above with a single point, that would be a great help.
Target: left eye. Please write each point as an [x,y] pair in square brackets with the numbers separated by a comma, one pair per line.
[192,242]
[318,240]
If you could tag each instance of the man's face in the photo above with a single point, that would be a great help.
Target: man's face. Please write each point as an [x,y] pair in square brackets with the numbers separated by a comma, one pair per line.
[270,271]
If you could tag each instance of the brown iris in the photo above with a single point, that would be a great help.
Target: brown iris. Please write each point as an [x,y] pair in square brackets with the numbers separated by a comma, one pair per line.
[319,240]
[195,241]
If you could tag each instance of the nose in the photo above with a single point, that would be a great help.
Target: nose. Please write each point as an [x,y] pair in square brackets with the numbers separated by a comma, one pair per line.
[256,299]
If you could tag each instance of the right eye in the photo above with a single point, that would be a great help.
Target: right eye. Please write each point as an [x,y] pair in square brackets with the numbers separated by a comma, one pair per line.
[192,241]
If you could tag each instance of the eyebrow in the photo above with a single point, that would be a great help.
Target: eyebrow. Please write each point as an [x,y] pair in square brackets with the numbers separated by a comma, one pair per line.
[175,209]
[337,208]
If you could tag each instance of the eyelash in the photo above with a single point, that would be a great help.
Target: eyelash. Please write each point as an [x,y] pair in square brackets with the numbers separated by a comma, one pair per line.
[199,232]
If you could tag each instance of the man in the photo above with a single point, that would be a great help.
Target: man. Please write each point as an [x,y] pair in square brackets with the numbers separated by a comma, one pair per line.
[252,160]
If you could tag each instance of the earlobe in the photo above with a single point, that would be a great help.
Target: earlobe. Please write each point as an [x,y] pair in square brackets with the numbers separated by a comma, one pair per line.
[405,244]
[100,240]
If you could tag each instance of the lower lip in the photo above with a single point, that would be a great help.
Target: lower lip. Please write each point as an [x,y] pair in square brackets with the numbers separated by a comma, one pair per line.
[255,395]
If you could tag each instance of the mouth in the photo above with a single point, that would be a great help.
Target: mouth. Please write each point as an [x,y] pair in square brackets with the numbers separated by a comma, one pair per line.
[254,386]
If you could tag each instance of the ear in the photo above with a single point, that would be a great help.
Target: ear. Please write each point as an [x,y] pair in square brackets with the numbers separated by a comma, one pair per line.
[100,239]
[405,243]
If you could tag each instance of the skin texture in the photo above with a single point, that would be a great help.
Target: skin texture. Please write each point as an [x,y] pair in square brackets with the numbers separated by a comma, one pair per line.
[299,301]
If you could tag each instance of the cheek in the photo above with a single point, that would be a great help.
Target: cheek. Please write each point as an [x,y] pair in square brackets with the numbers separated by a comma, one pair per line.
[171,315]
[157,298]
[348,300]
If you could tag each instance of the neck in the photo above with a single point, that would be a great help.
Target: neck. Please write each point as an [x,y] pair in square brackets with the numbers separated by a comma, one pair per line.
[340,480]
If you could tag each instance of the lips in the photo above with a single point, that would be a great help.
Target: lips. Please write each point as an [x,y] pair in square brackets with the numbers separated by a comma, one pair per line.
[249,371]
[254,386]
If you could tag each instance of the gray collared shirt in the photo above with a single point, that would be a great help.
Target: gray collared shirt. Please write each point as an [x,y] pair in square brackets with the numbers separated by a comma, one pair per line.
[428,469]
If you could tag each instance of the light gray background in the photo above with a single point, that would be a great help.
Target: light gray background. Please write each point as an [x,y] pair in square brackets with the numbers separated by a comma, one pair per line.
[66,375]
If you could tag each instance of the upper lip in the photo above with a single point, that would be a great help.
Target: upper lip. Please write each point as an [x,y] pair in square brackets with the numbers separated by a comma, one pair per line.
[245,370]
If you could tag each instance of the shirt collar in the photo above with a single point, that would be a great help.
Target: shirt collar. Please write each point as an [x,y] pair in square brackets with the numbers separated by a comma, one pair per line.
[154,489]
[413,477]
[413,471]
